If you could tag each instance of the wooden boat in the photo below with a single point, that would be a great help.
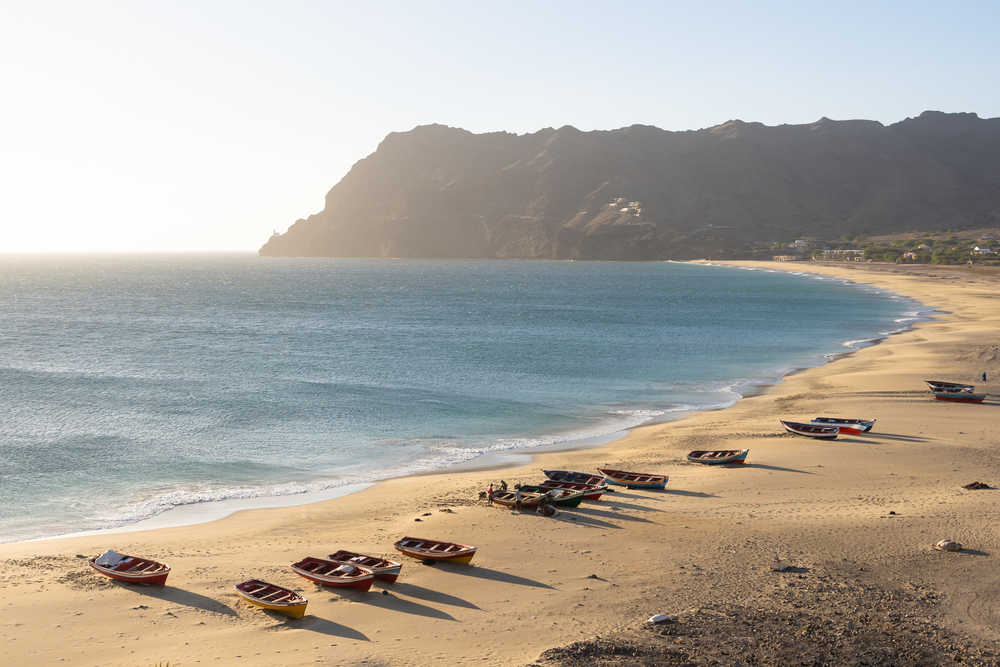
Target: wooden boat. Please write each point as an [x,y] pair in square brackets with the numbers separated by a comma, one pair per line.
[513,499]
[718,456]
[133,569]
[846,426]
[382,568]
[334,573]
[938,385]
[959,396]
[575,477]
[589,491]
[273,597]
[634,480]
[558,497]
[812,430]
[421,549]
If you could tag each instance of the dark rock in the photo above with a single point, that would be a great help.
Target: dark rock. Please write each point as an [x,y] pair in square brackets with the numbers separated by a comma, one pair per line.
[975,486]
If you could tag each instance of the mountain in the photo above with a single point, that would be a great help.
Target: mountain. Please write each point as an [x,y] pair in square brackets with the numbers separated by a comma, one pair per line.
[644,193]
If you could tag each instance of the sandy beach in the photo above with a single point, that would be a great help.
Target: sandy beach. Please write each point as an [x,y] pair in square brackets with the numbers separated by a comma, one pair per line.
[856,518]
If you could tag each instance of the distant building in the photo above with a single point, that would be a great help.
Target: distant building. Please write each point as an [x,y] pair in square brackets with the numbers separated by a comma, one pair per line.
[982,251]
[801,243]
[850,255]
[789,258]
[909,256]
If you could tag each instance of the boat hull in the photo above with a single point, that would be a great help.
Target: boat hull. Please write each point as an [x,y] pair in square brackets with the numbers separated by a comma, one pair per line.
[158,578]
[388,572]
[307,569]
[574,476]
[589,491]
[655,481]
[295,609]
[813,431]
[463,554]
[736,458]
[959,397]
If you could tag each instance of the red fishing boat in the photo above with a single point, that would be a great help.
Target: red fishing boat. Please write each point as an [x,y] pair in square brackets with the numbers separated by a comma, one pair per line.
[133,569]
[812,430]
[959,396]
[634,480]
[272,597]
[575,477]
[847,426]
[589,491]
[436,550]
[383,568]
[335,574]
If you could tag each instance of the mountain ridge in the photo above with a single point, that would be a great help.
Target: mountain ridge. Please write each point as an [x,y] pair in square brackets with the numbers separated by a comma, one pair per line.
[640,192]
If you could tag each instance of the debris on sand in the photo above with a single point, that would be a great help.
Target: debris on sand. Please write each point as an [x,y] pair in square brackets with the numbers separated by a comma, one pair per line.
[975,486]
[948,545]
[779,565]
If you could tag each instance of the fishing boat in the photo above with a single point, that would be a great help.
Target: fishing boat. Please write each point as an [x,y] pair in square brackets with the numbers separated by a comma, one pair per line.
[938,385]
[333,573]
[517,499]
[382,568]
[436,550]
[589,491]
[133,569]
[718,456]
[846,426]
[558,497]
[812,430]
[575,477]
[272,597]
[959,396]
[634,480]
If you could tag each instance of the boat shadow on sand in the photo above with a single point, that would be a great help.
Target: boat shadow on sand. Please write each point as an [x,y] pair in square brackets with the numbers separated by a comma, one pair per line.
[427,594]
[591,512]
[694,494]
[625,506]
[395,603]
[868,437]
[496,575]
[620,493]
[764,466]
[315,624]
[181,596]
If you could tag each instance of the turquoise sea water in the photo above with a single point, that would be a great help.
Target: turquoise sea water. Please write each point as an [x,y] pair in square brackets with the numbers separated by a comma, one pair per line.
[130,385]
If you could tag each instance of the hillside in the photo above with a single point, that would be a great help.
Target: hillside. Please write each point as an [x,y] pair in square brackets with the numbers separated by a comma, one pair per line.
[645,193]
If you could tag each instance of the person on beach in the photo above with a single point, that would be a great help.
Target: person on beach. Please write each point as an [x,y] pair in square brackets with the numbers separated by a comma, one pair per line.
[517,497]
[503,485]
[489,494]
[984,376]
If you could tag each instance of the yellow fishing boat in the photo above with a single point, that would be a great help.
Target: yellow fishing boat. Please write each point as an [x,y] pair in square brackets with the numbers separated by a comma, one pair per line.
[272,597]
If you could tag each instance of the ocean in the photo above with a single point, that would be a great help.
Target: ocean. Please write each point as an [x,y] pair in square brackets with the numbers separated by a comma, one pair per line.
[134,385]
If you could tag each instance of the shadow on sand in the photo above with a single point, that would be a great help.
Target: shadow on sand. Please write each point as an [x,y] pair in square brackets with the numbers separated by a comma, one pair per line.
[591,512]
[894,436]
[974,552]
[695,494]
[621,493]
[396,603]
[320,625]
[181,596]
[497,575]
[624,506]
[428,595]
[763,466]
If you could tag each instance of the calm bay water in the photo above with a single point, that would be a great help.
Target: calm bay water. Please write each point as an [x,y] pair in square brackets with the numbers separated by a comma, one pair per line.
[130,385]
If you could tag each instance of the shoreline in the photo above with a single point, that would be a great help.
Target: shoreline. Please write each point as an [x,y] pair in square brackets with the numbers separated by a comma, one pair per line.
[204,512]
[825,507]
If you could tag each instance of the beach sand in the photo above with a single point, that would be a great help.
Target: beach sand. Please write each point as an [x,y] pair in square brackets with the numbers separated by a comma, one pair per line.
[856,518]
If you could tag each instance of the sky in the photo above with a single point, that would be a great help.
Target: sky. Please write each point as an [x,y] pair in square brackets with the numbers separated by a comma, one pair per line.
[206,126]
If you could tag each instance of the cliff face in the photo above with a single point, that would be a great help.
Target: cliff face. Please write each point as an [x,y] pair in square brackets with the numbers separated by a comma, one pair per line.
[644,193]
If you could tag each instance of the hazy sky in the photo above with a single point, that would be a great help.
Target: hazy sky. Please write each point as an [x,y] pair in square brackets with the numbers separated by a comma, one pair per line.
[207,125]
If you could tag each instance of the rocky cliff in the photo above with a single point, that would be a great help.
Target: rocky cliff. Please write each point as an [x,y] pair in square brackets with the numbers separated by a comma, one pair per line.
[643,193]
